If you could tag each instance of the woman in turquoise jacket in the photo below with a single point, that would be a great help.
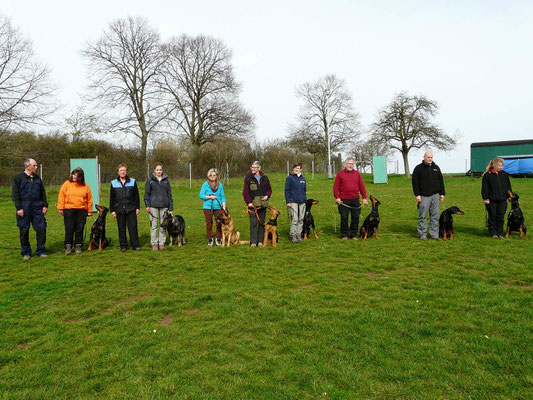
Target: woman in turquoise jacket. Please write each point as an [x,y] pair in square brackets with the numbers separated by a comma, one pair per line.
[212,193]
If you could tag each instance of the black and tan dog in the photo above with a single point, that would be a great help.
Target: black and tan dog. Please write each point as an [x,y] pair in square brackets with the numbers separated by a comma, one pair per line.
[175,226]
[371,223]
[271,228]
[309,220]
[515,219]
[446,222]
[230,236]
[98,239]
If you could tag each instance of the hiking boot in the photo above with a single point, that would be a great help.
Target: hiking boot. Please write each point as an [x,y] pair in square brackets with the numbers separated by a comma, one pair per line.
[78,249]
[259,244]
[219,241]
[26,257]
[155,248]
[43,255]
[123,249]
[253,245]
[68,249]
[210,242]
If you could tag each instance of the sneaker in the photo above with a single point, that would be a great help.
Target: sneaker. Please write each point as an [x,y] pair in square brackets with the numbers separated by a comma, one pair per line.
[501,237]
[43,255]
[26,257]
[137,249]
[494,236]
[354,238]
[219,241]
[161,247]
[294,239]
[123,249]
[423,238]
[345,238]
[210,242]
[68,250]
[78,249]
[259,244]
[155,248]
[253,245]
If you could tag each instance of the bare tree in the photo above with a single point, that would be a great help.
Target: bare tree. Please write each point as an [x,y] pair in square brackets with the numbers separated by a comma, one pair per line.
[406,124]
[364,151]
[123,66]
[327,113]
[306,142]
[81,124]
[199,80]
[25,88]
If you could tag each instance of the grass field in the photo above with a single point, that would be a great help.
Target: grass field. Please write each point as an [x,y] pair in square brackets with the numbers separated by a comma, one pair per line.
[396,318]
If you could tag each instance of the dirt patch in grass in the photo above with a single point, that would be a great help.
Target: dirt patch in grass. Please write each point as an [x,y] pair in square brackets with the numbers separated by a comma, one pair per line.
[307,287]
[22,345]
[192,311]
[519,285]
[374,275]
[71,321]
[167,320]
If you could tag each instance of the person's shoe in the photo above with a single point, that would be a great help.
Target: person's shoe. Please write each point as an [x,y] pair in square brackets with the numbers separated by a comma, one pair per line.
[259,244]
[161,247]
[137,248]
[423,237]
[219,242]
[345,238]
[78,249]
[354,238]
[494,236]
[501,237]
[253,245]
[435,238]
[210,242]
[123,249]
[43,255]
[26,257]
[155,248]
[294,239]
[68,250]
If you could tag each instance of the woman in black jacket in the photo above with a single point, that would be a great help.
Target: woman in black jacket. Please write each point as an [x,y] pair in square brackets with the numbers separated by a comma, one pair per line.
[495,187]
[158,200]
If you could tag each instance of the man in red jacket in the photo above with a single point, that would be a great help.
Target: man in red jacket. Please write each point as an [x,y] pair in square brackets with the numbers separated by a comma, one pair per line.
[348,184]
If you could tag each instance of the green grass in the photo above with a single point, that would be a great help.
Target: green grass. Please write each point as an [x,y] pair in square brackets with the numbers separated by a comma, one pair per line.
[396,318]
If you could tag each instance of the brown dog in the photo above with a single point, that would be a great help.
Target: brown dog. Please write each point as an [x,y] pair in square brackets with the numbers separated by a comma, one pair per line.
[230,236]
[271,228]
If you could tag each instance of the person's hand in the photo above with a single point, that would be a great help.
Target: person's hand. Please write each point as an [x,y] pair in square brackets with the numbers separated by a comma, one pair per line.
[441,197]
[265,198]
[60,212]
[250,205]
[147,209]
[213,196]
[418,199]
[365,202]
[224,206]
[45,210]
[338,201]
[114,214]
[486,201]
[288,204]
[20,213]
[137,211]
[90,214]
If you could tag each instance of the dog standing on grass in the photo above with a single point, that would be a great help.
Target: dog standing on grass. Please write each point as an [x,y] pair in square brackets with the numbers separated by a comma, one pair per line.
[175,226]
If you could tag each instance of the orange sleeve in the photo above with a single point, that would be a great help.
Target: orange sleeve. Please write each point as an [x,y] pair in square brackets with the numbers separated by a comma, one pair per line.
[89,199]
[61,196]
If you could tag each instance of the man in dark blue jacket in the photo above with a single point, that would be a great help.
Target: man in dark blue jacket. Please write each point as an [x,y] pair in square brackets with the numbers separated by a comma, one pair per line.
[29,197]
[295,197]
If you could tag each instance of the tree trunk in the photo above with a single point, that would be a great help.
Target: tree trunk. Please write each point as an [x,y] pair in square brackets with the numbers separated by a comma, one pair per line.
[406,163]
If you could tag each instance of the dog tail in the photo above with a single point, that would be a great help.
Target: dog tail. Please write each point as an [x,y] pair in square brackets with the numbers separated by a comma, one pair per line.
[244,242]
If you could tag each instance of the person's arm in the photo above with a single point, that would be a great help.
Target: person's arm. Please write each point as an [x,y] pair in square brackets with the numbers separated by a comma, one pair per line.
[485,188]
[362,190]
[112,202]
[336,188]
[147,193]
[288,198]
[43,196]
[15,193]
[221,195]
[136,198]
[269,190]
[170,199]
[442,191]
[246,193]
[61,198]
[89,200]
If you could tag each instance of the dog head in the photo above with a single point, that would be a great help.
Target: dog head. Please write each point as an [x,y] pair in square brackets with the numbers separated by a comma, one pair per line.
[513,196]
[375,202]
[455,210]
[167,219]
[224,217]
[101,210]
[274,213]
[311,202]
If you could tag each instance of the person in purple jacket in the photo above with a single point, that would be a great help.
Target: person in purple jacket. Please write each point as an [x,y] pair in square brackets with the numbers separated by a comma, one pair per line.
[256,193]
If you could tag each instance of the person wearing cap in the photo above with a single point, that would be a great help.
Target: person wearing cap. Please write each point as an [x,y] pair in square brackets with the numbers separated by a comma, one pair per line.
[256,192]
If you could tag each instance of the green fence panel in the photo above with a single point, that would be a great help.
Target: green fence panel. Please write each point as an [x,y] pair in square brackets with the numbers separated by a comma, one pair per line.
[90,169]
[379,165]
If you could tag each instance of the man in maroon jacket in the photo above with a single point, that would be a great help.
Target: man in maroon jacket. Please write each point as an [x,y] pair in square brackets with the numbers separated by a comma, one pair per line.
[348,184]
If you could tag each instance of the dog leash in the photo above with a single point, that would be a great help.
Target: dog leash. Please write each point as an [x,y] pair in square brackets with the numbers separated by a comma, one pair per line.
[353,208]
[247,210]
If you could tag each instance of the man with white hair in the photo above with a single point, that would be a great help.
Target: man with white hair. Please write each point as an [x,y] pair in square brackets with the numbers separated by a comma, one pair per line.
[27,192]
[428,187]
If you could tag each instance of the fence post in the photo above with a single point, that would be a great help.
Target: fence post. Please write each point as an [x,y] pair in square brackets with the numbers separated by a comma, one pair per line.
[288,172]
[41,172]
[190,175]
[227,174]
[313,169]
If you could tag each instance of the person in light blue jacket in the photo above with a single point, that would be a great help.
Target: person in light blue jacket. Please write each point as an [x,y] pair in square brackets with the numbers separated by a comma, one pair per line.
[212,193]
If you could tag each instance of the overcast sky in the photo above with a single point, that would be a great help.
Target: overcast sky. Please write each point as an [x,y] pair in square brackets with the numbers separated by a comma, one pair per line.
[475,58]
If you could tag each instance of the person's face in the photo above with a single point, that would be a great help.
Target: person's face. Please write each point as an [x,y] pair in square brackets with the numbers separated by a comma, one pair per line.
[349,165]
[296,170]
[32,167]
[428,158]
[498,167]
[74,177]
[122,172]
[255,169]
[158,171]
[213,176]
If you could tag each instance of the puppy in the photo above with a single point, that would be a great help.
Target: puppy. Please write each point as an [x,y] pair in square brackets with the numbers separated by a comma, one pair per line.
[446,222]
[175,226]
[230,236]
[98,238]
[515,219]
[371,223]
[271,228]
[309,220]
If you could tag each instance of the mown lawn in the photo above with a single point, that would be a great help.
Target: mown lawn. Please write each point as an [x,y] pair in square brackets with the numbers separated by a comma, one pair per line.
[397,318]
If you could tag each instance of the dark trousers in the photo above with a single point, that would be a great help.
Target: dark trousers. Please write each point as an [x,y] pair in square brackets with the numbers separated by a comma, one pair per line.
[129,220]
[353,210]
[33,216]
[257,229]
[209,215]
[74,220]
[496,216]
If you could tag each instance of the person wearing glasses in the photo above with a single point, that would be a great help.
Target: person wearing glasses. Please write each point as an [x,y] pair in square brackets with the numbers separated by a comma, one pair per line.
[256,192]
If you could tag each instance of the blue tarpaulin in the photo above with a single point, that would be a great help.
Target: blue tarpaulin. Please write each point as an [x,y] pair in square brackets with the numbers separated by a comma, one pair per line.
[518,165]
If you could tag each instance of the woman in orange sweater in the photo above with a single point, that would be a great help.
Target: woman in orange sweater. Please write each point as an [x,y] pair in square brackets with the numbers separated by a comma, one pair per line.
[75,203]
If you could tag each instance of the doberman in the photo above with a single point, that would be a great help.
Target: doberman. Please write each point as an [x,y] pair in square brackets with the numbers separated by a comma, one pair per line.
[371,223]
[446,222]
[309,220]
[98,239]
[515,219]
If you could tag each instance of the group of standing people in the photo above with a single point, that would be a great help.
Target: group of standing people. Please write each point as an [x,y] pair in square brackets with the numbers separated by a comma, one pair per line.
[75,203]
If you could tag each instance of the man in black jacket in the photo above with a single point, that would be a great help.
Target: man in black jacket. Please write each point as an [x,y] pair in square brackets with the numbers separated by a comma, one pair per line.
[428,187]
[29,197]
